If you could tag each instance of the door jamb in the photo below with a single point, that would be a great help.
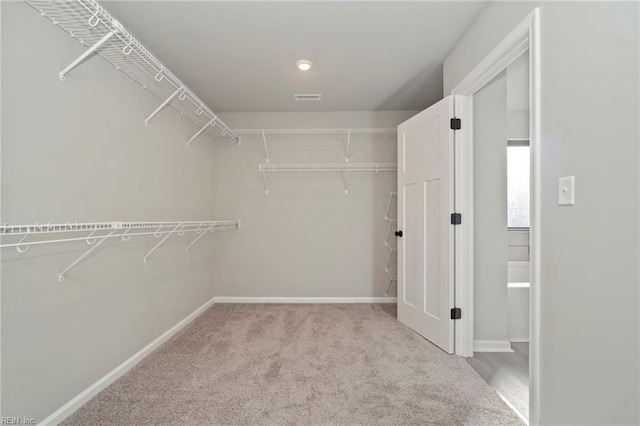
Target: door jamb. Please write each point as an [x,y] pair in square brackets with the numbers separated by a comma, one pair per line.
[526,36]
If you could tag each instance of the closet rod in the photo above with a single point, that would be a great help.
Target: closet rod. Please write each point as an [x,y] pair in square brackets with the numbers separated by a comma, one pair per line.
[95,28]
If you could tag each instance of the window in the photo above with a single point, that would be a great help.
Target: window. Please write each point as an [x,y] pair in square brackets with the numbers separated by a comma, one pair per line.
[518,184]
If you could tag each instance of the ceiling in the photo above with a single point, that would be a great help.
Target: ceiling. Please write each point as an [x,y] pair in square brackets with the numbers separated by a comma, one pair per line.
[240,56]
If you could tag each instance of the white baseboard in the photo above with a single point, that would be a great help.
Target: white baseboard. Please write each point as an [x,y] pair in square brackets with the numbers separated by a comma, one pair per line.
[70,407]
[492,346]
[231,299]
[523,340]
[513,407]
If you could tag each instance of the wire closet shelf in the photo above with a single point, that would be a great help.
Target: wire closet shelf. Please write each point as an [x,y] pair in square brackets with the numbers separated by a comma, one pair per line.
[330,167]
[99,232]
[345,134]
[381,131]
[345,168]
[94,27]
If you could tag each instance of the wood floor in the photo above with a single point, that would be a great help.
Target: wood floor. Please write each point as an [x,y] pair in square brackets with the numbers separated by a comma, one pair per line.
[507,373]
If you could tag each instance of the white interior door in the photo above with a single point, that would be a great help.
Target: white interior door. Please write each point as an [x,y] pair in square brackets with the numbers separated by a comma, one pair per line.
[425,203]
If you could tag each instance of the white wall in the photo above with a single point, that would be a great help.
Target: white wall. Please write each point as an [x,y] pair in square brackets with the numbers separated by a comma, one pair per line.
[490,212]
[518,83]
[79,151]
[518,245]
[589,362]
[518,98]
[306,238]
[518,295]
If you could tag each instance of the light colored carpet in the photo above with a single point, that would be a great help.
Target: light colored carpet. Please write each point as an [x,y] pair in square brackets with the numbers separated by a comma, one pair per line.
[298,364]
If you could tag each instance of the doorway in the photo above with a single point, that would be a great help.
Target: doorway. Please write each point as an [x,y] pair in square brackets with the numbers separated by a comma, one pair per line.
[501,218]
[470,295]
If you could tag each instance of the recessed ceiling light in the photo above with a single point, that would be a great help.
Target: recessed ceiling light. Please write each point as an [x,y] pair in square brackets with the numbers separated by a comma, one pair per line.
[304,65]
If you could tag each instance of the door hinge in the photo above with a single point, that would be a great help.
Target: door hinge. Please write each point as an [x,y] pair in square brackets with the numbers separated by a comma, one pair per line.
[456,124]
[456,218]
[456,313]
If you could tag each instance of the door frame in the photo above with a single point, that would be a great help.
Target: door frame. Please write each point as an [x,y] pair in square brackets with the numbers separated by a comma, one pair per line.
[525,37]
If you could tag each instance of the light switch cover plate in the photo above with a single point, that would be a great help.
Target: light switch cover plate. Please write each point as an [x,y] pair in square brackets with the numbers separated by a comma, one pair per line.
[566,191]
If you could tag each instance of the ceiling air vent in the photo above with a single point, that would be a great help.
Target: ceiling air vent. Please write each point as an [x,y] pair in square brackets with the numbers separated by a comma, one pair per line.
[308,97]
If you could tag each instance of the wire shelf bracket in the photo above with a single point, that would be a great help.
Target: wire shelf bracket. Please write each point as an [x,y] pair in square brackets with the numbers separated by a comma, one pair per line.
[176,229]
[390,200]
[206,126]
[87,253]
[162,105]
[390,225]
[82,57]
[392,278]
[266,150]
[264,180]
[390,252]
[202,233]
[346,153]
[211,229]
[347,175]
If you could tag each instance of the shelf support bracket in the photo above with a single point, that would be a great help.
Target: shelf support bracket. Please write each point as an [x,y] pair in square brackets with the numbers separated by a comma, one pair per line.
[347,175]
[391,251]
[164,104]
[82,57]
[386,240]
[264,141]
[264,179]
[391,280]
[202,234]
[210,123]
[176,229]
[386,214]
[348,143]
[86,253]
